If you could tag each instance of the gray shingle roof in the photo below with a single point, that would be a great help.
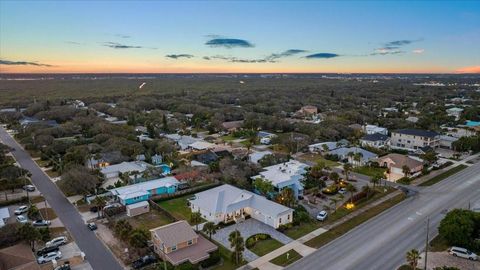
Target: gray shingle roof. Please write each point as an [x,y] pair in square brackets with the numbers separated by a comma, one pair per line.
[417,132]
[174,233]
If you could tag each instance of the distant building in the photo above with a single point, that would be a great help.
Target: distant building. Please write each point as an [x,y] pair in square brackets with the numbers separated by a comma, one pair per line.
[455,112]
[266,137]
[372,129]
[375,140]
[326,146]
[413,139]
[232,125]
[285,175]
[447,141]
[157,159]
[412,119]
[114,171]
[178,243]
[256,156]
[307,110]
[227,203]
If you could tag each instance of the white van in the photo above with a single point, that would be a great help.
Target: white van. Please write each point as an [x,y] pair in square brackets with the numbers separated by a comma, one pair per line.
[463,253]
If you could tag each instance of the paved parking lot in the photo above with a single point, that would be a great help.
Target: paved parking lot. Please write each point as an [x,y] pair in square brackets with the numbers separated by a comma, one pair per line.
[439,259]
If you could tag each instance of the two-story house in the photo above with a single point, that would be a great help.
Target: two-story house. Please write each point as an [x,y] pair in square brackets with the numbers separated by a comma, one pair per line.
[178,243]
[413,139]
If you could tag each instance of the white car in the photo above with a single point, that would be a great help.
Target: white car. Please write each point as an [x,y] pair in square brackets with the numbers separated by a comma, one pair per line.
[20,210]
[463,253]
[41,222]
[322,215]
[22,219]
[342,190]
[62,240]
[49,257]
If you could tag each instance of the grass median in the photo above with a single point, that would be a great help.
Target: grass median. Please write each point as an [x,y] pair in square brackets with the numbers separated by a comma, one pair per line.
[343,228]
[443,175]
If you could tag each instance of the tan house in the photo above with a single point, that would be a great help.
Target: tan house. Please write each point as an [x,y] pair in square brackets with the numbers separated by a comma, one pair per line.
[18,257]
[177,243]
[395,164]
[232,125]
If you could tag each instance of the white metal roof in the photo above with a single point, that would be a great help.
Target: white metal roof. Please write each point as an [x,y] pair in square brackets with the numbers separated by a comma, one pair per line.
[292,170]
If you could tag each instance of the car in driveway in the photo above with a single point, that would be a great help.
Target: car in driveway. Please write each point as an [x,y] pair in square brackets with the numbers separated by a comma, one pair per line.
[463,253]
[20,210]
[22,219]
[92,226]
[29,188]
[41,222]
[61,240]
[65,266]
[322,215]
[342,190]
[46,250]
[144,261]
[49,257]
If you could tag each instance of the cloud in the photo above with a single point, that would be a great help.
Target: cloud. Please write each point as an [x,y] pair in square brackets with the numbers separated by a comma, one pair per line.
[177,56]
[229,43]
[122,36]
[116,45]
[386,50]
[23,63]
[471,69]
[322,55]
[286,53]
[74,43]
[399,43]
[418,51]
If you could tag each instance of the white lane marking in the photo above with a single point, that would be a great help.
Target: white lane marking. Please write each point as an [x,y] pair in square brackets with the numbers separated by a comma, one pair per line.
[418,213]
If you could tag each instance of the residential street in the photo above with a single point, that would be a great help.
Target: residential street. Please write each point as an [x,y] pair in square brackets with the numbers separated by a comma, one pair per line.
[97,254]
[382,242]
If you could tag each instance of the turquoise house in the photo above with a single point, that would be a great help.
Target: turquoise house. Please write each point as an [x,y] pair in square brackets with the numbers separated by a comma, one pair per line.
[144,191]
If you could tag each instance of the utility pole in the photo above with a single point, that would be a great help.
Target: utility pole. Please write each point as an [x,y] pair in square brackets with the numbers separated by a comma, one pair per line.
[426,244]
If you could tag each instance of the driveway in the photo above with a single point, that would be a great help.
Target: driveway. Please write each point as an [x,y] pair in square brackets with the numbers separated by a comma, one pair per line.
[248,228]
[97,254]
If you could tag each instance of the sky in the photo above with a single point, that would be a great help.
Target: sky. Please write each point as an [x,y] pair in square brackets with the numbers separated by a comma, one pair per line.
[239,37]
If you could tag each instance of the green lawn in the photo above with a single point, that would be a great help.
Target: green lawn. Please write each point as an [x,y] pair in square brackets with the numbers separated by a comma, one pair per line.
[150,220]
[444,175]
[283,261]
[228,138]
[263,247]
[302,229]
[319,158]
[341,229]
[226,254]
[370,171]
[178,207]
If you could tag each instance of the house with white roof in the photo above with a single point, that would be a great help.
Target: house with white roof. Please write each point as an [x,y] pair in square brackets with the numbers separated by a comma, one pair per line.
[256,156]
[349,153]
[201,145]
[4,215]
[455,112]
[285,175]
[227,203]
[144,191]
[182,141]
[326,146]
[114,171]
[372,129]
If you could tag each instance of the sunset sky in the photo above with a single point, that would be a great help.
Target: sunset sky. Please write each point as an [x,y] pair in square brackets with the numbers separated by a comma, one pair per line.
[190,37]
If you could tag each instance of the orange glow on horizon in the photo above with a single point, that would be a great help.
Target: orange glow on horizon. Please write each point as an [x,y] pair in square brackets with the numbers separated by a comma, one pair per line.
[472,69]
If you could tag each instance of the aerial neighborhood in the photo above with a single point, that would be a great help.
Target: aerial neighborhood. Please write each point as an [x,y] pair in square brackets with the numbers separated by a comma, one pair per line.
[185,185]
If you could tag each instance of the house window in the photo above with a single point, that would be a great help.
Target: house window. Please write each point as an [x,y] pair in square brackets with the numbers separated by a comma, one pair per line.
[190,242]
[280,220]
[288,217]
[174,248]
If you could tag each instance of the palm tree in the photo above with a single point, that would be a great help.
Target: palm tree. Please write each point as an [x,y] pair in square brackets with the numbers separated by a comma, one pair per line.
[209,228]
[100,202]
[347,168]
[412,257]
[406,170]
[351,188]
[334,201]
[196,218]
[238,245]
[357,157]
[376,179]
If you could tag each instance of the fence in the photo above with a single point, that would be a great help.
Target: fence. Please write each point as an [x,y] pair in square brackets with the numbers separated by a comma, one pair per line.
[157,207]
[180,193]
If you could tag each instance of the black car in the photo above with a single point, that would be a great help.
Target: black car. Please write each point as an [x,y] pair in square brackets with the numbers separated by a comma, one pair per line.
[144,261]
[46,250]
[92,226]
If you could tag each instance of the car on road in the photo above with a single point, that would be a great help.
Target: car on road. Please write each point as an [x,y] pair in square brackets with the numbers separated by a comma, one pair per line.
[41,222]
[47,249]
[22,219]
[92,226]
[20,210]
[463,253]
[144,261]
[342,190]
[62,240]
[322,215]
[49,257]
[29,188]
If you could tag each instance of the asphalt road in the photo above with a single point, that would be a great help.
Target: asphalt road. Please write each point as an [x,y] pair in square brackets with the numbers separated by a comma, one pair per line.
[381,243]
[96,253]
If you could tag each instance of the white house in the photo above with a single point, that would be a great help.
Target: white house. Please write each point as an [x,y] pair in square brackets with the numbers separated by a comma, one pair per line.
[227,203]
[285,175]
[372,129]
[328,146]
[114,171]
[455,112]
[350,152]
[256,156]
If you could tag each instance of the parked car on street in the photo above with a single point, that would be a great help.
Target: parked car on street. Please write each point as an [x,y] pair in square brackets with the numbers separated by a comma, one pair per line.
[22,219]
[322,215]
[144,261]
[463,253]
[92,226]
[47,249]
[20,210]
[49,257]
[41,222]
[62,240]
[29,188]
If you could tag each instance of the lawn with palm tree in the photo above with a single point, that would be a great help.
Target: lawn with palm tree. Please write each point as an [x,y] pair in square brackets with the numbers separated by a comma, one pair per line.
[263,246]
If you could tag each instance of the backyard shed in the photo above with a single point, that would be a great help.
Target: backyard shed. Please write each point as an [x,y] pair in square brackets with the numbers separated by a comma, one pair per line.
[138,208]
